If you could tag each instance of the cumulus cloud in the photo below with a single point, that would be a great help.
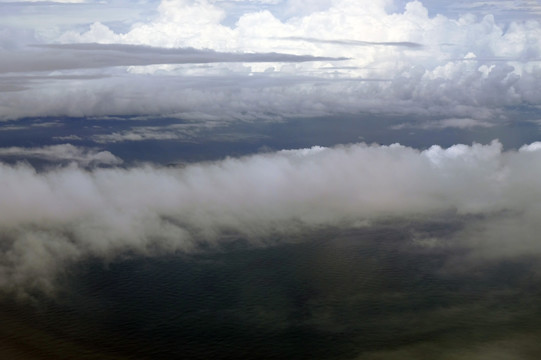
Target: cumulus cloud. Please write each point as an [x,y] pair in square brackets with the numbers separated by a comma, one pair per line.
[64,215]
[457,90]
[467,64]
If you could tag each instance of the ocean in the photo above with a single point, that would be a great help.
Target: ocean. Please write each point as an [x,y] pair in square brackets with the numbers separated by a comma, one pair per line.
[366,293]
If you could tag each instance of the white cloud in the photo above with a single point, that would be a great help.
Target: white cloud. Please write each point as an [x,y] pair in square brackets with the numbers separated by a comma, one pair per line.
[63,215]
[435,65]
[63,152]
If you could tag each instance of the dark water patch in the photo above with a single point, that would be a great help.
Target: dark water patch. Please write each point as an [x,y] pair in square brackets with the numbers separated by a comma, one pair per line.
[173,141]
[339,294]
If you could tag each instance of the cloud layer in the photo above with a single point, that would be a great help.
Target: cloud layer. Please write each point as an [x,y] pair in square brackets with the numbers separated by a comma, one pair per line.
[61,216]
[402,58]
[85,56]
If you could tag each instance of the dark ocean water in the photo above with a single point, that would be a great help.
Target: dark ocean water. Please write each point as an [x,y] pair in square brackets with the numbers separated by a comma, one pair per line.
[245,138]
[369,293]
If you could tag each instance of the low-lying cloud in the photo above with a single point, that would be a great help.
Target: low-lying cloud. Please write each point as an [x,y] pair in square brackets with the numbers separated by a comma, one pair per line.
[54,218]
[62,153]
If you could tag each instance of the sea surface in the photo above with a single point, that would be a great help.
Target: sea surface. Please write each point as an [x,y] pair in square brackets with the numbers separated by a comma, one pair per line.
[374,292]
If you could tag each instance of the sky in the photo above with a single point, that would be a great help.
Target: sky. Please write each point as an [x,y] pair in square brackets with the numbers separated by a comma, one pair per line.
[163,127]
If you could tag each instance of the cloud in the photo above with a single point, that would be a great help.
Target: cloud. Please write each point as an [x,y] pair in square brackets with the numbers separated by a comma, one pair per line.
[516,9]
[191,132]
[12,83]
[68,138]
[144,133]
[61,216]
[466,65]
[459,123]
[46,1]
[85,56]
[456,90]
[62,153]
[355,42]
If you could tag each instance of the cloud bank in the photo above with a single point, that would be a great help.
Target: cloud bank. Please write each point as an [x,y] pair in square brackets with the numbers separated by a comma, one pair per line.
[455,64]
[58,217]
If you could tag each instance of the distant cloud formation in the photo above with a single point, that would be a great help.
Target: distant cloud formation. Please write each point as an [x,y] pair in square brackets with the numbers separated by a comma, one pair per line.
[243,60]
[62,153]
[355,42]
[459,123]
[62,216]
[88,56]
[184,132]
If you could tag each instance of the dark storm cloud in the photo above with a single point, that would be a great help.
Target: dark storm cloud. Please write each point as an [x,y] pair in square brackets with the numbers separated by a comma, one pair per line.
[85,56]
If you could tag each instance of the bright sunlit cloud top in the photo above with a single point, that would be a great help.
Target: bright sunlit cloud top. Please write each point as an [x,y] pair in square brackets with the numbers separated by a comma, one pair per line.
[464,60]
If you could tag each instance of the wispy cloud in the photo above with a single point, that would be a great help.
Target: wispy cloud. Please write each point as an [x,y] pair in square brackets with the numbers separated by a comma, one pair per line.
[406,44]
[62,153]
[459,123]
[86,56]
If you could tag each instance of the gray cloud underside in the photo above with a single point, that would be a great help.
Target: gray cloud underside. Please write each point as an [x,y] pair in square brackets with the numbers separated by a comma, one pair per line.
[57,217]
[468,93]
[407,44]
[14,83]
[86,56]
[29,78]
